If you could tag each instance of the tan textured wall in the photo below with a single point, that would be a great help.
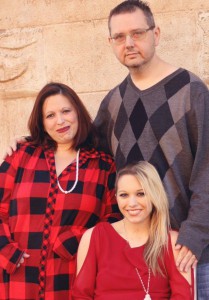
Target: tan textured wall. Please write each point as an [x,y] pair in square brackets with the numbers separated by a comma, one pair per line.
[66,40]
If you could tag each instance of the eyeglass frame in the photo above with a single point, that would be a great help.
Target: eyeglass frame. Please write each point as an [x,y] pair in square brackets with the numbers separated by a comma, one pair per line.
[130,34]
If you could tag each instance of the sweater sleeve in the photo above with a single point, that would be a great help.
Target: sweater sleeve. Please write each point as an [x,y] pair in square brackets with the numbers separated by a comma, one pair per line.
[111,211]
[85,282]
[102,124]
[10,253]
[194,230]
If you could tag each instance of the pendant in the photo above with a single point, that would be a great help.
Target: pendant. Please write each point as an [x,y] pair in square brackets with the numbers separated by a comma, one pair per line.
[147,297]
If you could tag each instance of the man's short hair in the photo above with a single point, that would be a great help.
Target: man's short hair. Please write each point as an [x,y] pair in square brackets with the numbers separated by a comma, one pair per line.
[131,6]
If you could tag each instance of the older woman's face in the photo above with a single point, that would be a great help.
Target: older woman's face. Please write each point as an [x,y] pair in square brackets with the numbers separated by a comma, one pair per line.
[60,119]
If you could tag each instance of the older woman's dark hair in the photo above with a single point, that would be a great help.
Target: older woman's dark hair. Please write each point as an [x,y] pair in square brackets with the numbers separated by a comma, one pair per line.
[86,134]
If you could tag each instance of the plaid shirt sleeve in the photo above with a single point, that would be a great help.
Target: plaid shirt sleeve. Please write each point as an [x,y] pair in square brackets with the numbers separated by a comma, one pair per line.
[66,245]
[10,253]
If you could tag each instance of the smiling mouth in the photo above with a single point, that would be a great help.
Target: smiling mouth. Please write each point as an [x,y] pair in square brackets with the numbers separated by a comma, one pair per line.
[64,129]
[134,212]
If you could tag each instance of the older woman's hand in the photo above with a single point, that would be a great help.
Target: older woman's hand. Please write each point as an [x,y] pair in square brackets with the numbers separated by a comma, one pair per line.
[21,261]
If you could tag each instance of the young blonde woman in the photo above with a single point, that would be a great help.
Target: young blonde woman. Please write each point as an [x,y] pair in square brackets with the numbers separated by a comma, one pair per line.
[133,258]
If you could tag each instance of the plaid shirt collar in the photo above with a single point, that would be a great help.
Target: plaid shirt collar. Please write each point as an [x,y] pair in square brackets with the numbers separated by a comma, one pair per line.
[84,155]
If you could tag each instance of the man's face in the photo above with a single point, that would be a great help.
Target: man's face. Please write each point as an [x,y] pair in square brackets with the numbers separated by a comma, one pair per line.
[133,52]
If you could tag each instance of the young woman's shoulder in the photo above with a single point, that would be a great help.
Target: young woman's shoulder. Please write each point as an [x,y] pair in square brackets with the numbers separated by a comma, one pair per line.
[83,248]
[86,237]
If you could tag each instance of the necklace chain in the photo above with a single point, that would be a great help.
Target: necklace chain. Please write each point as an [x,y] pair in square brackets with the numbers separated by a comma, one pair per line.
[76,177]
[147,296]
[142,283]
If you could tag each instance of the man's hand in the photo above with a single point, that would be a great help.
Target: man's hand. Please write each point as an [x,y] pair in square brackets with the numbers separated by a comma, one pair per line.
[185,258]
[13,145]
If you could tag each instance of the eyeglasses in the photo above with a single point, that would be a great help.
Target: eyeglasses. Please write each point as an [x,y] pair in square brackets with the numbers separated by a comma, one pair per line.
[136,35]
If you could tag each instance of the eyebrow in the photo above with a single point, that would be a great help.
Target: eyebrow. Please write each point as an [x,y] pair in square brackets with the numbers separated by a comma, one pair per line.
[65,107]
[129,31]
[140,190]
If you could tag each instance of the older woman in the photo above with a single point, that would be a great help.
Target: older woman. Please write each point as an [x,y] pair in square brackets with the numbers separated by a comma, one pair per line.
[51,190]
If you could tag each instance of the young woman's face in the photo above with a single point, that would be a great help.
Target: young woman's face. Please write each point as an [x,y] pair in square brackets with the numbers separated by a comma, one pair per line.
[132,200]
[60,119]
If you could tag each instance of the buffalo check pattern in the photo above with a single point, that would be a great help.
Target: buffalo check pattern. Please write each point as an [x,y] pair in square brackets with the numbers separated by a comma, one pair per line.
[36,217]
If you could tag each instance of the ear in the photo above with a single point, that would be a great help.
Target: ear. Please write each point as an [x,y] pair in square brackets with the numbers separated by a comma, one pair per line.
[110,40]
[156,31]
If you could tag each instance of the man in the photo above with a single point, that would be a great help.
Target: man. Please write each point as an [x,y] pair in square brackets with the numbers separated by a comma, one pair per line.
[159,113]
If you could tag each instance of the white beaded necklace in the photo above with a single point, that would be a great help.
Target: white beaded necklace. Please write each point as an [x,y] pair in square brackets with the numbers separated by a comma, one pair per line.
[76,177]
[147,295]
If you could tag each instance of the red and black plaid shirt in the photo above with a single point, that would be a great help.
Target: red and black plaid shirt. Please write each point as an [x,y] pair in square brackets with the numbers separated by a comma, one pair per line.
[36,217]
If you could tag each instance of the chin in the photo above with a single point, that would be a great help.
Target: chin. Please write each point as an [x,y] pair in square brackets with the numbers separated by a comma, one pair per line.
[134,219]
[134,65]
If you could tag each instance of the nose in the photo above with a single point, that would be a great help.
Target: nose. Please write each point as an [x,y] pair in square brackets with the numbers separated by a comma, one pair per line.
[60,119]
[132,201]
[129,41]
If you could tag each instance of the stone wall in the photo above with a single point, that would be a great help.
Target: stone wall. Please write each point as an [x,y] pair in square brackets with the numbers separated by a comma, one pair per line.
[66,40]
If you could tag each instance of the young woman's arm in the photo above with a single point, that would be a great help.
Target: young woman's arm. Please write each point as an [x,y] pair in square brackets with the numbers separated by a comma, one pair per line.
[83,249]
[84,284]
[181,283]
[174,236]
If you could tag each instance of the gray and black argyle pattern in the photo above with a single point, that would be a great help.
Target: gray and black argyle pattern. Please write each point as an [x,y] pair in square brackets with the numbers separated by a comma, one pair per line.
[167,125]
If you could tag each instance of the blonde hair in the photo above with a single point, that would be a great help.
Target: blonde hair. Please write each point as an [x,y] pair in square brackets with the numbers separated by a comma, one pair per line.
[153,188]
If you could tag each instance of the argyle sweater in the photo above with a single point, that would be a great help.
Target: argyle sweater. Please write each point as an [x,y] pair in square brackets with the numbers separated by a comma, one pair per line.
[167,125]
[36,217]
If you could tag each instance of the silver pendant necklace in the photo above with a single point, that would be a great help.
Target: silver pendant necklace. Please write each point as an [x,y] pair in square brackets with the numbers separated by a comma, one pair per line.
[76,177]
[147,295]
